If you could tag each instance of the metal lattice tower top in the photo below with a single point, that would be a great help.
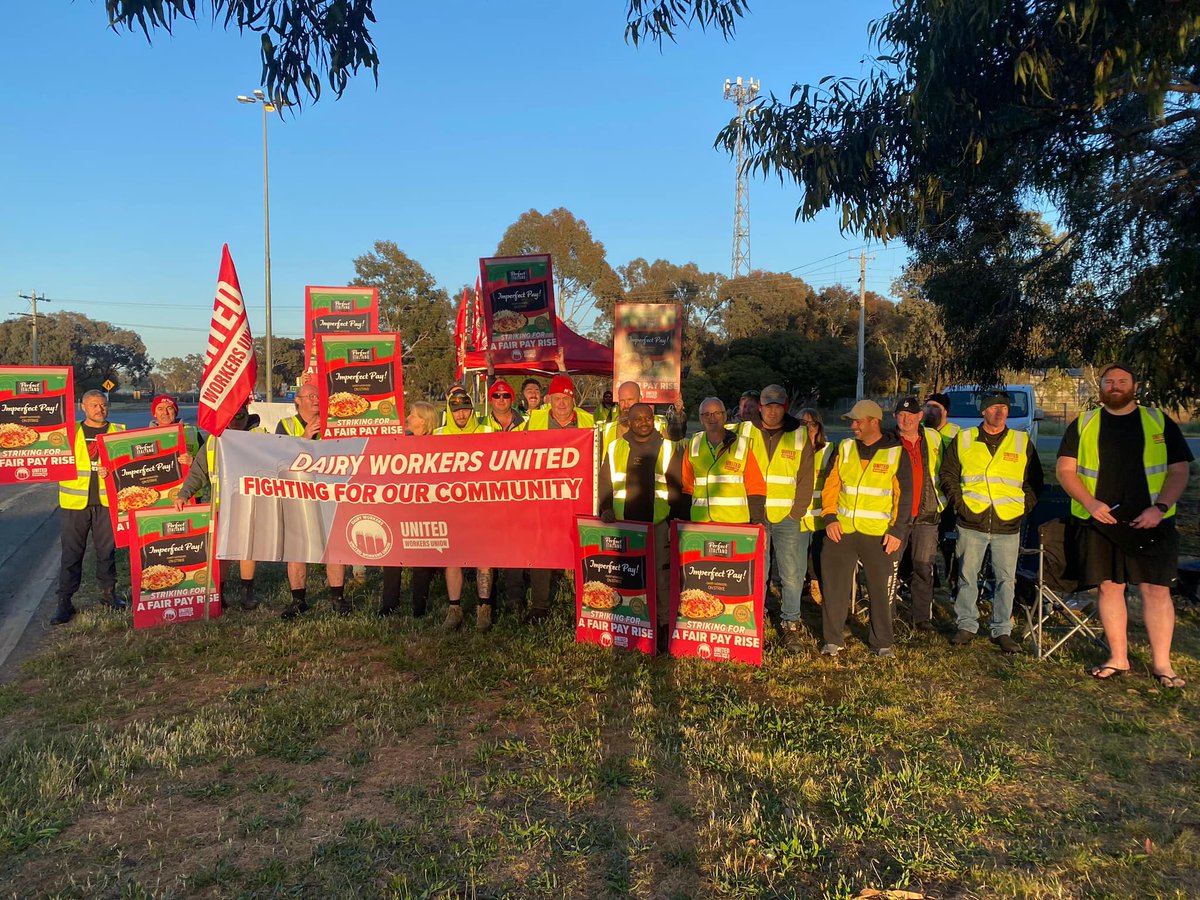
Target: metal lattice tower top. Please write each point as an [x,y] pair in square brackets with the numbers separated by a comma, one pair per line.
[742,94]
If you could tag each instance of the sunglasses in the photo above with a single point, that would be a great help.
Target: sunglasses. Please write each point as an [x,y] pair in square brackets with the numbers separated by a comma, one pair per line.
[502,396]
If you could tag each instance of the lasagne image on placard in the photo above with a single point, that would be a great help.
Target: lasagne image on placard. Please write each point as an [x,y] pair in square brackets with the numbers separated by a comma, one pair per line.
[136,497]
[343,405]
[697,604]
[506,321]
[14,435]
[597,595]
[161,578]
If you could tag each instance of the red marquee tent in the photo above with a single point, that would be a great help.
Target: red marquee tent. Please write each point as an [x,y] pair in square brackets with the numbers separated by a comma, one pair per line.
[583,357]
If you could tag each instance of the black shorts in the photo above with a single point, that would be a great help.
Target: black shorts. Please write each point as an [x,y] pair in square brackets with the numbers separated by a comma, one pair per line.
[1136,557]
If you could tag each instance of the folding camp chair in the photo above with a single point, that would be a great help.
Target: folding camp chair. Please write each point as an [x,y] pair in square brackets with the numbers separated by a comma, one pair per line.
[1054,610]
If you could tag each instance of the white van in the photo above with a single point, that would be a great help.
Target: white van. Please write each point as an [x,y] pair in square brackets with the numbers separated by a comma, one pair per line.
[1023,414]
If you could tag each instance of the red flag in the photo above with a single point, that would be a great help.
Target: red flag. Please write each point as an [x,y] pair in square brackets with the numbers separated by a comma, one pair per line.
[230,369]
[479,331]
[460,338]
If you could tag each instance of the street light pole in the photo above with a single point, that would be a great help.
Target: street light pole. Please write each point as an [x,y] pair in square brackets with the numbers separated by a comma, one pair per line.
[267,107]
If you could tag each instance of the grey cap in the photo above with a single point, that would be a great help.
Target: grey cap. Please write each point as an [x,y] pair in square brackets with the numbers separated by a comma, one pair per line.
[773,393]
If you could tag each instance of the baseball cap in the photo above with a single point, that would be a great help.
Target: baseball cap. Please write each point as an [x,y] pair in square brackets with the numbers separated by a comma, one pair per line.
[773,393]
[991,398]
[942,400]
[164,397]
[561,384]
[501,386]
[909,405]
[1119,365]
[750,393]
[865,409]
[459,399]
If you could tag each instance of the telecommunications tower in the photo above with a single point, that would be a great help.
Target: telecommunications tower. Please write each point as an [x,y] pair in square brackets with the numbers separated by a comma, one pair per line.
[742,94]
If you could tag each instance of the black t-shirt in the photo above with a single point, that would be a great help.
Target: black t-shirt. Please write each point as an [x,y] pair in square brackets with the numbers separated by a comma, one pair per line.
[639,479]
[93,448]
[1122,478]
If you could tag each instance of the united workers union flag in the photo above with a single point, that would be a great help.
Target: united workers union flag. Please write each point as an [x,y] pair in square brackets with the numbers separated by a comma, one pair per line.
[230,369]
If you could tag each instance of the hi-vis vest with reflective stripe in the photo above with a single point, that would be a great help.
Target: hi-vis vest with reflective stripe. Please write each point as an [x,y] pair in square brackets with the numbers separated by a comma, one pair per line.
[1154,455]
[948,432]
[539,419]
[994,479]
[812,520]
[451,427]
[73,494]
[618,463]
[933,440]
[780,470]
[866,499]
[609,436]
[719,483]
[293,426]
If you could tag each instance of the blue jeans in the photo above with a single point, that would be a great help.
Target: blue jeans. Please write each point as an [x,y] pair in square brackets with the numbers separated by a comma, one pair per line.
[970,550]
[790,546]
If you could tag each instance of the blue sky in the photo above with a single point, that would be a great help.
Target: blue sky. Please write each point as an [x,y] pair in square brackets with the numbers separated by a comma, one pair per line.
[128,165]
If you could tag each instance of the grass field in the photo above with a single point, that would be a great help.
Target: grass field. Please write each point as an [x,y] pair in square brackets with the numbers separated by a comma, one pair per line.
[348,757]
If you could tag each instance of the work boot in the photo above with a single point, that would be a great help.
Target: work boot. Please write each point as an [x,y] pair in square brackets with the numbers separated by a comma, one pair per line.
[962,638]
[64,614]
[789,634]
[926,627]
[112,599]
[341,605]
[295,608]
[536,615]
[249,601]
[454,617]
[831,650]
[1006,643]
[483,617]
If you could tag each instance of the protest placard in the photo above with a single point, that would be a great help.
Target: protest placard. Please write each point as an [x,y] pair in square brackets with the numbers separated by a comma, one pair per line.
[37,424]
[518,303]
[647,349]
[143,471]
[614,584]
[172,570]
[361,383]
[337,310]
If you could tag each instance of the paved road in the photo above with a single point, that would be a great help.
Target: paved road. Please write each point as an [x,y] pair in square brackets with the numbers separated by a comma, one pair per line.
[29,557]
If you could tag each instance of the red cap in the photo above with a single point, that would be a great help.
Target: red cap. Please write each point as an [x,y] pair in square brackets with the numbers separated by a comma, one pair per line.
[160,398]
[561,384]
[501,384]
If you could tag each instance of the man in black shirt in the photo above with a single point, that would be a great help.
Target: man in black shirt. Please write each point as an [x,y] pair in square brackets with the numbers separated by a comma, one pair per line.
[641,480]
[1125,466]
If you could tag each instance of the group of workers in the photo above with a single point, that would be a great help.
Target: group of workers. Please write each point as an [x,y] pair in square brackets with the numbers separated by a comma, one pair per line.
[870,500]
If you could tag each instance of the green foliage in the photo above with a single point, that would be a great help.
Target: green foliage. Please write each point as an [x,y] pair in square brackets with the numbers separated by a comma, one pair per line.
[97,350]
[287,362]
[411,303]
[303,44]
[178,375]
[812,371]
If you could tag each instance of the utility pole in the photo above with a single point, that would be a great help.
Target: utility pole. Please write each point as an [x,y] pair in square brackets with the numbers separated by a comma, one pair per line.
[862,321]
[33,299]
[741,94]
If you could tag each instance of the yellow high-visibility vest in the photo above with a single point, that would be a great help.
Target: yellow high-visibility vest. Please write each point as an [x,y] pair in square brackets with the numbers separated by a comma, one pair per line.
[866,498]
[933,440]
[1154,455]
[539,419]
[780,470]
[609,434]
[948,432]
[812,520]
[994,479]
[73,494]
[719,482]
[295,427]
[480,427]
[618,462]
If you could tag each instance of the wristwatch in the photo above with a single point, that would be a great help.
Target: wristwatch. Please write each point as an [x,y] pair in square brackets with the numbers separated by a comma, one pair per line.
[1161,507]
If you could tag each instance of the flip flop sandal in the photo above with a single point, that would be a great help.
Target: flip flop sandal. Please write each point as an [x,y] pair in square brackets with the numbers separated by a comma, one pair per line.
[1103,673]
[1171,682]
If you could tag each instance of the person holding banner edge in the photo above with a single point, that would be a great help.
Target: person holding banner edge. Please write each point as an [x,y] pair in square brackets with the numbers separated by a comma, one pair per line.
[641,480]
[306,423]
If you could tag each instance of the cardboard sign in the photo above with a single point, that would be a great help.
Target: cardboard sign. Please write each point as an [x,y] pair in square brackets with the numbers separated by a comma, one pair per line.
[647,349]
[171,566]
[337,310]
[488,500]
[614,584]
[361,383]
[144,472]
[37,424]
[518,304]
[717,591]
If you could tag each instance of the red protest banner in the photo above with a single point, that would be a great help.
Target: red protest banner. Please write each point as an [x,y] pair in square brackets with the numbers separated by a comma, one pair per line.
[647,349]
[337,310]
[361,384]
[143,471]
[490,500]
[230,367]
[37,424]
[170,566]
[614,584]
[717,591]
[518,303]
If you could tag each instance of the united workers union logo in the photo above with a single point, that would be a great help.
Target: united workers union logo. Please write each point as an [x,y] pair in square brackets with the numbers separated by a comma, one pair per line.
[369,536]
[21,474]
